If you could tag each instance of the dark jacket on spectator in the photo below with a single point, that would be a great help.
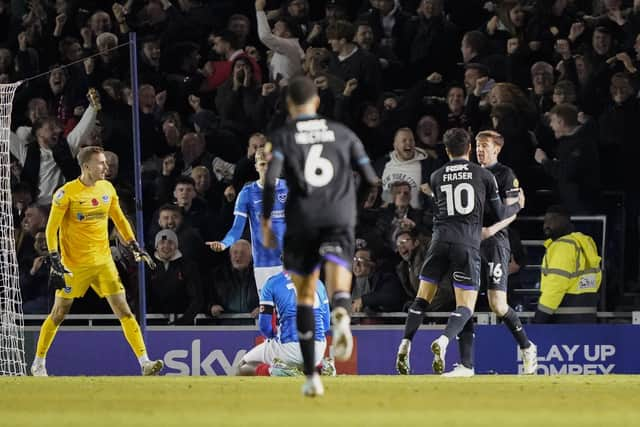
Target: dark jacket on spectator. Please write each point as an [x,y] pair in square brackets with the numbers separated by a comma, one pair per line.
[62,156]
[233,289]
[381,292]
[364,67]
[408,272]
[399,34]
[576,170]
[434,47]
[175,287]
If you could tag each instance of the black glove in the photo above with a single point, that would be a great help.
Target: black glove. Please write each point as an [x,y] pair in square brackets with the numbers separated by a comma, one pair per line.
[57,271]
[141,255]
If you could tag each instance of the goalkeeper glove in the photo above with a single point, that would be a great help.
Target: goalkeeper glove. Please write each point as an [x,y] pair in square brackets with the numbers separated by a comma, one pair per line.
[57,271]
[140,254]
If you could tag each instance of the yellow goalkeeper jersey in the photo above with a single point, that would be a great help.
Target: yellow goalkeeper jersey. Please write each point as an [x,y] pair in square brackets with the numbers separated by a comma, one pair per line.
[82,215]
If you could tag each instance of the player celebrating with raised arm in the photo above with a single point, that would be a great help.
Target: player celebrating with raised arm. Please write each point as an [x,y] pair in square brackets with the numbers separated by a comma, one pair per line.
[266,261]
[495,252]
[317,156]
[80,212]
[460,190]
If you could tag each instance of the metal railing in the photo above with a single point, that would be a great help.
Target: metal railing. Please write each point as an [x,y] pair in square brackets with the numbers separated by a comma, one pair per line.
[482,318]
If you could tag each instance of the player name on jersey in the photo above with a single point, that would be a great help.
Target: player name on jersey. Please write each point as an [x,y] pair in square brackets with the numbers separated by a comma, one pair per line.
[313,131]
[457,173]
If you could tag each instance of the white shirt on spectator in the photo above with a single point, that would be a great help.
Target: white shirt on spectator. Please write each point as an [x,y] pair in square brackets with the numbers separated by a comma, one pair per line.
[50,177]
[286,61]
[409,171]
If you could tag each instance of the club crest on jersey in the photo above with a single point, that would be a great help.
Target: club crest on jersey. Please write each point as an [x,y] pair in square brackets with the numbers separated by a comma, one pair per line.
[105,198]
[59,194]
[282,197]
[94,202]
[516,183]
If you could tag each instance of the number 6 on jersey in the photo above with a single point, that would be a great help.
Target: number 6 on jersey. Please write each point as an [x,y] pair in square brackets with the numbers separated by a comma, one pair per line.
[318,171]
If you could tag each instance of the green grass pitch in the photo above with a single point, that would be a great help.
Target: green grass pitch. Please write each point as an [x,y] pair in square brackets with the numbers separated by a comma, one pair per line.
[602,401]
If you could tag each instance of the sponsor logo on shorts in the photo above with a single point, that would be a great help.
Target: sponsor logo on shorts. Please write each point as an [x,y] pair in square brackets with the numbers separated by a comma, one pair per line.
[461,277]
[331,248]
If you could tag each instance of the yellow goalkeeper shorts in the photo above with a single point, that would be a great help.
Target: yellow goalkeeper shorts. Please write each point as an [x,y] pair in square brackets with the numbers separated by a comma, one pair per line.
[104,279]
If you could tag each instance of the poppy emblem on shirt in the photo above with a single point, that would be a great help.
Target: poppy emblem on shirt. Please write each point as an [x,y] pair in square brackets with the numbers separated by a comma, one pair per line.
[105,198]
[94,202]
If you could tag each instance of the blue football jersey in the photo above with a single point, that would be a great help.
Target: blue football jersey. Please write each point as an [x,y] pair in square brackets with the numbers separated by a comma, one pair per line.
[280,292]
[249,205]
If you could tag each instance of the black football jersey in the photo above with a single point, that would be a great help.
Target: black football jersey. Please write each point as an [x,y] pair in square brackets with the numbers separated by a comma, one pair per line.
[461,191]
[318,157]
[508,187]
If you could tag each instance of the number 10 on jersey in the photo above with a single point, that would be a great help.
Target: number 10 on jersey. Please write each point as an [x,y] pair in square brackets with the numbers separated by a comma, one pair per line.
[454,197]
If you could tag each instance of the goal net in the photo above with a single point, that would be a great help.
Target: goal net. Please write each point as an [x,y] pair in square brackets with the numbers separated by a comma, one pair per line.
[12,360]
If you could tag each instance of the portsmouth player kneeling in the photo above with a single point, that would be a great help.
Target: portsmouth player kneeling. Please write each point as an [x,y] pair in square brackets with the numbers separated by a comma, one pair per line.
[279,354]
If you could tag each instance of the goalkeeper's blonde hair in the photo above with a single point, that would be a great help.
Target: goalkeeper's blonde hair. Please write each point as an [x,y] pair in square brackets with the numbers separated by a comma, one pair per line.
[85,153]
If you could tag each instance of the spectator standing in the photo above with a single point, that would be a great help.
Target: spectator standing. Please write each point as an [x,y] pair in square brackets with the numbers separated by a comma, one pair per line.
[571,273]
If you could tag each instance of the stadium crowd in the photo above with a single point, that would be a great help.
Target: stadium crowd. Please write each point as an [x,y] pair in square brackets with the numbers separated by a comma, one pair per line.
[558,79]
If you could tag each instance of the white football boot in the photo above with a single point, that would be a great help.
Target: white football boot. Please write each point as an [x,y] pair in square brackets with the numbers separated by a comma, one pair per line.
[530,359]
[459,371]
[313,386]
[152,367]
[439,350]
[341,330]
[39,370]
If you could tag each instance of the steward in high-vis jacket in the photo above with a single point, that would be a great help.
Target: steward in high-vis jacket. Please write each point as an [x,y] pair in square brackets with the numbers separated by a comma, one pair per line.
[571,273]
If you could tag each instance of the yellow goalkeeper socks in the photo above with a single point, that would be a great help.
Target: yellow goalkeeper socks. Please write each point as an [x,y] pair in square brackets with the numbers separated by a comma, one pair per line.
[47,333]
[132,333]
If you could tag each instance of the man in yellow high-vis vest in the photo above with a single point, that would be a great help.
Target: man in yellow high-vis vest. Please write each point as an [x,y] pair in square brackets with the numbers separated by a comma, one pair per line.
[570,273]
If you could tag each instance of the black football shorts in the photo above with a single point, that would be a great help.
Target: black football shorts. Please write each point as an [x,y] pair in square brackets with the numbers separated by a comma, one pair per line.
[461,261]
[305,249]
[495,266]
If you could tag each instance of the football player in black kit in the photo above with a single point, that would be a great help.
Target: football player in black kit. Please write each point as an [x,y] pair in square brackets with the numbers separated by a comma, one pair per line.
[460,190]
[318,157]
[495,253]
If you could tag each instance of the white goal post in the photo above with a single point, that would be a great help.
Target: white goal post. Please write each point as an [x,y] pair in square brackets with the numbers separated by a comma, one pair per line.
[12,359]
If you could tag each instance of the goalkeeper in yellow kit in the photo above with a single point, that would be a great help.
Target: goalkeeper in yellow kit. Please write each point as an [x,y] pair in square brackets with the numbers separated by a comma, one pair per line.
[80,212]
